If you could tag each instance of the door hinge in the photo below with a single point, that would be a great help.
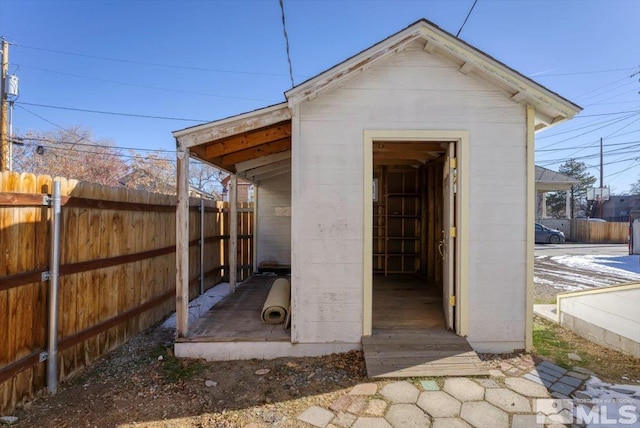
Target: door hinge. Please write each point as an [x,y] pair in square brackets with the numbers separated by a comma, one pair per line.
[452,232]
[452,301]
[453,163]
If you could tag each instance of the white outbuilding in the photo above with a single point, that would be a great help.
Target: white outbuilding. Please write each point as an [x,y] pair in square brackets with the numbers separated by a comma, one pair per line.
[399,186]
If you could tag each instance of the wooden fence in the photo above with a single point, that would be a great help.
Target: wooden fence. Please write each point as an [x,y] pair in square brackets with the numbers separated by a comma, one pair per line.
[591,232]
[117,271]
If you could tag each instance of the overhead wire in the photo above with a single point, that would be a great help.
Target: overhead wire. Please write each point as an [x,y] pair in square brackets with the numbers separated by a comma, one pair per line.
[467,18]
[139,85]
[286,41]
[154,64]
[112,113]
[48,140]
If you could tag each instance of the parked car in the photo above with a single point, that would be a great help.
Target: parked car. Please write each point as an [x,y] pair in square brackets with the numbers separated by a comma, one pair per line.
[546,235]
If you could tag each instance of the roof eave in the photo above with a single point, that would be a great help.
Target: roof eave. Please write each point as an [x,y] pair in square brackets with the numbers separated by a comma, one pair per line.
[552,108]
[233,125]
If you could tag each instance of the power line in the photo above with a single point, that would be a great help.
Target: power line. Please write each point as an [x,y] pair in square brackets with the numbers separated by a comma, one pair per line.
[588,146]
[607,114]
[112,113]
[138,85]
[467,18]
[153,64]
[588,132]
[586,72]
[286,41]
[591,124]
[46,140]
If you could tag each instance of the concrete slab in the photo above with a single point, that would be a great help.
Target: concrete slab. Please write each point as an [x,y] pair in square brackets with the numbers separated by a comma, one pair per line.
[526,387]
[463,389]
[548,312]
[364,389]
[439,404]
[371,423]
[400,392]
[450,423]
[316,416]
[483,414]
[508,400]
[578,375]
[407,415]
[525,421]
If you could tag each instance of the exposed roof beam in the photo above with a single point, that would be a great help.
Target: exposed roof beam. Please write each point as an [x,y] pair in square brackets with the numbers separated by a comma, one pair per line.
[272,174]
[256,152]
[430,47]
[248,140]
[518,96]
[466,68]
[265,160]
[266,168]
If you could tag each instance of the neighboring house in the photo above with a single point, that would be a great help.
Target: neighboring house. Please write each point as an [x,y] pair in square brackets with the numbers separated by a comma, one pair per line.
[622,208]
[552,181]
[447,133]
[245,190]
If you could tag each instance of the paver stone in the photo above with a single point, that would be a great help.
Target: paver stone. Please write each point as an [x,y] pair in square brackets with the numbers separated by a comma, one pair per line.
[343,420]
[508,400]
[526,387]
[400,392]
[364,389]
[449,423]
[463,389]
[525,421]
[316,416]
[439,404]
[371,423]
[481,414]
[376,407]
[407,416]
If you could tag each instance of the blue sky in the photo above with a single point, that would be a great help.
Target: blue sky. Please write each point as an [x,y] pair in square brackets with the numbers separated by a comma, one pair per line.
[204,60]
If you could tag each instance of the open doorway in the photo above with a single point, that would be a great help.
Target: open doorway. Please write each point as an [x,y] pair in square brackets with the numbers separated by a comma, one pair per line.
[413,231]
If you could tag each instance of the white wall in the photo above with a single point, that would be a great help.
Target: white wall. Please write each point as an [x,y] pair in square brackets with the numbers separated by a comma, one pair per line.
[274,220]
[410,90]
[616,311]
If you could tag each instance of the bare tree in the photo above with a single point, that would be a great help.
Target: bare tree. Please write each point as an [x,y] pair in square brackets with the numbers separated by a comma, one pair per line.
[72,153]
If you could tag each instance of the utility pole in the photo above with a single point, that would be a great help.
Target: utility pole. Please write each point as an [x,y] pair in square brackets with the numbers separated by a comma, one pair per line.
[601,201]
[5,147]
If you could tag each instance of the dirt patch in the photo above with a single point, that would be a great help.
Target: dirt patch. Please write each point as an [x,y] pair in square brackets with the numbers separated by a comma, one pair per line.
[143,384]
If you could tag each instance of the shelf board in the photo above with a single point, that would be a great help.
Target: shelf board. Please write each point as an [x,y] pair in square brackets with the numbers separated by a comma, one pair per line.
[404,238]
[402,195]
[403,254]
[417,216]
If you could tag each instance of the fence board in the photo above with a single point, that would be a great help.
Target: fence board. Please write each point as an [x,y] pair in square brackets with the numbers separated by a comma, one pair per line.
[117,273]
[591,232]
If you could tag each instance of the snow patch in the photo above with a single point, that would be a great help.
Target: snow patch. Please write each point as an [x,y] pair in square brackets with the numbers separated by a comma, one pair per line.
[201,304]
[611,398]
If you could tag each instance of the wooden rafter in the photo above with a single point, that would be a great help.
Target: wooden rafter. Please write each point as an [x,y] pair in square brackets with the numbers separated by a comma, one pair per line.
[248,140]
[265,160]
[256,152]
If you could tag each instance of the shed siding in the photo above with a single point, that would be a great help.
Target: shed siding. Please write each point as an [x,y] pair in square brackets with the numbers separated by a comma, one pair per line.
[410,90]
[274,220]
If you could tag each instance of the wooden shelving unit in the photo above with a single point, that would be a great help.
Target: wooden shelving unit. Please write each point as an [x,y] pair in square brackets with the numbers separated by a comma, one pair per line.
[397,222]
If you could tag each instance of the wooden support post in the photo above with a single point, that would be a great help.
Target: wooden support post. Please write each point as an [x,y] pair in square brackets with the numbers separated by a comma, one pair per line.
[254,244]
[233,232]
[182,242]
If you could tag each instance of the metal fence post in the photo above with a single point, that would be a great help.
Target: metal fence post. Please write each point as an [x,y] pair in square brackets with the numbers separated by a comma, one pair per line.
[201,246]
[54,273]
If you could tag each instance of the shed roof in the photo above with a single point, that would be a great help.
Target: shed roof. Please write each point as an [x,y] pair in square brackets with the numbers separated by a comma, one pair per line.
[552,181]
[257,144]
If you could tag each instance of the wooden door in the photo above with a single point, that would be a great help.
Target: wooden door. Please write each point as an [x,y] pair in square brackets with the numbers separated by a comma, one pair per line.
[447,244]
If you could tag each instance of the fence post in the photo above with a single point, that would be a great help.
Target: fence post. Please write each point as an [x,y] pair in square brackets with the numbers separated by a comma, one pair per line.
[201,246]
[54,273]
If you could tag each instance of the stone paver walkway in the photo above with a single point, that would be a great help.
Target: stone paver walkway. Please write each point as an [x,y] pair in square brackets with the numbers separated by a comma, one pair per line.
[504,400]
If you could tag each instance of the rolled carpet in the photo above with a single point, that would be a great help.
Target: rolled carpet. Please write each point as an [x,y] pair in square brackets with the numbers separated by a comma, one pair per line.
[276,306]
